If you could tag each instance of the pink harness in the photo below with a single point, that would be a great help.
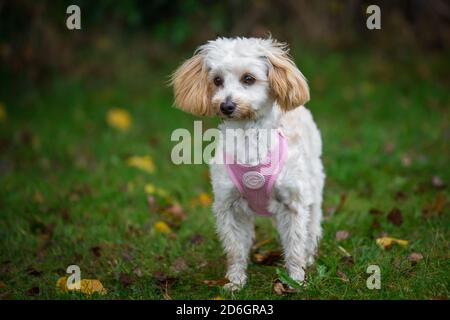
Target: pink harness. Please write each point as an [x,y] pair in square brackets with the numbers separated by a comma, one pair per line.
[255,183]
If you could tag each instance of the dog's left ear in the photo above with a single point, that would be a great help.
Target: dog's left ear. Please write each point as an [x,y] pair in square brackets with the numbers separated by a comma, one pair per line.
[286,81]
[190,84]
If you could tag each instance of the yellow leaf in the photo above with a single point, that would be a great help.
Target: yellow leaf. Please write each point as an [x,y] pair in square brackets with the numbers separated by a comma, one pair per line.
[218,298]
[87,286]
[150,188]
[2,112]
[119,119]
[204,199]
[387,242]
[161,226]
[144,163]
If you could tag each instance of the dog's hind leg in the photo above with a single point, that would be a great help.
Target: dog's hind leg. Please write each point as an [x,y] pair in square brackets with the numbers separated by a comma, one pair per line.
[236,231]
[292,225]
[315,232]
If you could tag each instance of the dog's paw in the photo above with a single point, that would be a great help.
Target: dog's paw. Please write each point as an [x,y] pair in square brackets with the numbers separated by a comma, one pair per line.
[298,276]
[310,260]
[233,287]
[237,281]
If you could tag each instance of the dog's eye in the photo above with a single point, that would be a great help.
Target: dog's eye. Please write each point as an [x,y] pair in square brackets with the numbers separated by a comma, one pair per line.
[248,79]
[218,81]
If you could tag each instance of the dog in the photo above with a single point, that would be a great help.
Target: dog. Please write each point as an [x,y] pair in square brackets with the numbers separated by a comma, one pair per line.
[252,84]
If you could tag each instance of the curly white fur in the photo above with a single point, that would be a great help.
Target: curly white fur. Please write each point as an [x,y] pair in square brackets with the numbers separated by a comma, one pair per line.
[274,100]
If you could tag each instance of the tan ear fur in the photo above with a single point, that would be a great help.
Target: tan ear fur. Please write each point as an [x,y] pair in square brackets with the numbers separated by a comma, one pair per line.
[190,83]
[287,82]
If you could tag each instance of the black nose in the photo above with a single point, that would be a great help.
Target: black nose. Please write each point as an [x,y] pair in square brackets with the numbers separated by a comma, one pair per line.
[227,107]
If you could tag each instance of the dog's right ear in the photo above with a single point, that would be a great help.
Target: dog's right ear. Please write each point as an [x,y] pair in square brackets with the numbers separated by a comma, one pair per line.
[190,84]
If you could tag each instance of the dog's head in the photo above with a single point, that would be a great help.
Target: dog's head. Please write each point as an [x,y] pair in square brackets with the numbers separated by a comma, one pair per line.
[239,79]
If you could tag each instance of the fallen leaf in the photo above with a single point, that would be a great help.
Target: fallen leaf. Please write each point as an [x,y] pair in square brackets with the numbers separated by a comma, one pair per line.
[118,119]
[34,291]
[151,203]
[218,298]
[125,279]
[2,112]
[342,235]
[87,286]
[178,265]
[414,257]
[438,183]
[96,251]
[162,227]
[341,275]
[175,214]
[33,272]
[375,212]
[342,200]
[400,195]
[267,257]
[164,283]
[278,288]
[435,207]
[387,242]
[204,199]
[406,161]
[144,163]
[201,198]
[376,224]
[2,285]
[138,272]
[395,217]
[347,260]
[196,239]
[150,188]
[218,282]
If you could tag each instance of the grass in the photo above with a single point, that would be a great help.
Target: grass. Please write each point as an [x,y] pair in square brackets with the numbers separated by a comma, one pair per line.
[68,197]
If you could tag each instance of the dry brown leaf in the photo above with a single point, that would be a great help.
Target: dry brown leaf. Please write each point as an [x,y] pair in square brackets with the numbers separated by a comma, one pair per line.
[395,217]
[267,257]
[178,265]
[196,239]
[218,282]
[341,275]
[342,200]
[435,207]
[125,279]
[342,235]
[375,212]
[279,288]
[438,183]
[415,257]
[34,291]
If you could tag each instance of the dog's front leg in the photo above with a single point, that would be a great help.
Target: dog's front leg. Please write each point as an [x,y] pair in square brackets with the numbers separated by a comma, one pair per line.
[236,231]
[292,224]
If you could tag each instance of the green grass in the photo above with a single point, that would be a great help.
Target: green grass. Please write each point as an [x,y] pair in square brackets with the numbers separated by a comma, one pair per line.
[385,130]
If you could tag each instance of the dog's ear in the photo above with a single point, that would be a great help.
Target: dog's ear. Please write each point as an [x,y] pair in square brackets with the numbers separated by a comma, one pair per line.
[287,82]
[190,83]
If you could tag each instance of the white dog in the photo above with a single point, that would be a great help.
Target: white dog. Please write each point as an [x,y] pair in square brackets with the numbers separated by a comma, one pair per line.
[254,85]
